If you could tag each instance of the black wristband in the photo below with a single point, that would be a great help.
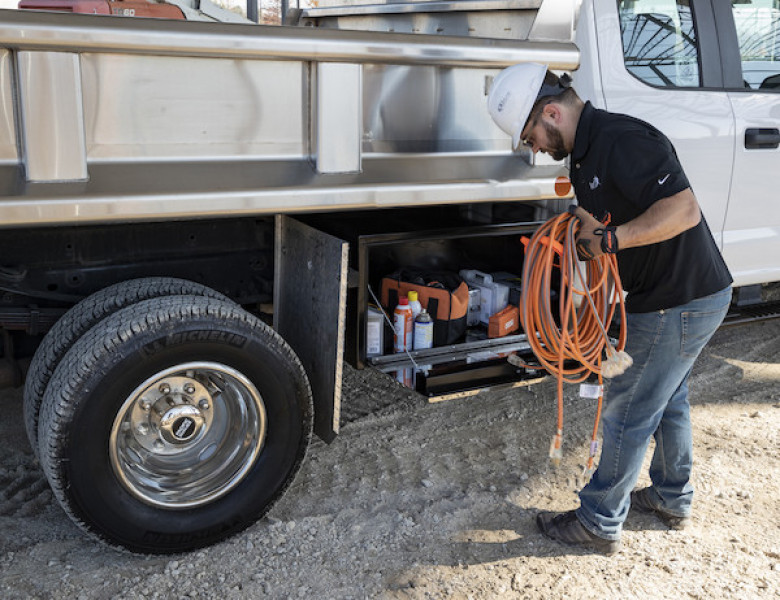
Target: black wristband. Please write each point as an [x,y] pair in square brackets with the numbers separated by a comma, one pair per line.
[609,241]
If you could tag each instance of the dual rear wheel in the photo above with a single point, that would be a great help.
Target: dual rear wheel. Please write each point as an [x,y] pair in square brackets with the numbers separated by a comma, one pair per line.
[171,422]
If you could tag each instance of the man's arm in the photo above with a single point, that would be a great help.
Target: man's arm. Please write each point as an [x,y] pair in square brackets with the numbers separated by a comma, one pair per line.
[665,219]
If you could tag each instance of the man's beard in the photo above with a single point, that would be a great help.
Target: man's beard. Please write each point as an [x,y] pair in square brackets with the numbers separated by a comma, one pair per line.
[555,140]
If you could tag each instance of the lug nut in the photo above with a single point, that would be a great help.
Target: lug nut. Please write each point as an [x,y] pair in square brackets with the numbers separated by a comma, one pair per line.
[146,405]
[189,388]
[164,388]
[203,404]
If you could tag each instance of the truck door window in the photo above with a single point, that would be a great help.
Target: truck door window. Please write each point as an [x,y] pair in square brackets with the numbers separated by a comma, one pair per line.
[758,32]
[659,42]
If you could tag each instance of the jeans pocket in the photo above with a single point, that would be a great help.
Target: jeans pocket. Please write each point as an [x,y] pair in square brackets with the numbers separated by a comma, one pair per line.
[697,329]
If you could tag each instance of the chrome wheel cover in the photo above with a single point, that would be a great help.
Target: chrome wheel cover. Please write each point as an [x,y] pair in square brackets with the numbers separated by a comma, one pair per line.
[188,435]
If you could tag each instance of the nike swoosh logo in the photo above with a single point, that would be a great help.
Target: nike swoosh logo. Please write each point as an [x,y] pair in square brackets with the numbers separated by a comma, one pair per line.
[662,181]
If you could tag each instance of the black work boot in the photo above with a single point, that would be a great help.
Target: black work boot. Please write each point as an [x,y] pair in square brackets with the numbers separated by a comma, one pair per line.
[566,527]
[642,500]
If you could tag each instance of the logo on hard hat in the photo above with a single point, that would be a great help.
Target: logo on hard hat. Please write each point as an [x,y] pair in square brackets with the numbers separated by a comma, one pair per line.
[503,101]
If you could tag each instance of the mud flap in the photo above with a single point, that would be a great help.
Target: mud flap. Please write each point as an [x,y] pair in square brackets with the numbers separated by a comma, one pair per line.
[310,299]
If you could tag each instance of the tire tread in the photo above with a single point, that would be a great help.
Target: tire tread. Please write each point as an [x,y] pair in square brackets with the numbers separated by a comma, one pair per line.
[94,350]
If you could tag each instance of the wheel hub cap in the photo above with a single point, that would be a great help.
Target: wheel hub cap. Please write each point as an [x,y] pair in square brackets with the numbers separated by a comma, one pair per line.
[181,424]
[188,435]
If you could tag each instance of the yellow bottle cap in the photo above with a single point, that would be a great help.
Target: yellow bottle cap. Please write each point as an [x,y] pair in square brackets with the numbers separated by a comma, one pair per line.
[412,296]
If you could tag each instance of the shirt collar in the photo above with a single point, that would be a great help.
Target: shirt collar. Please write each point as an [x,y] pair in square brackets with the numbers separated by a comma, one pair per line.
[582,135]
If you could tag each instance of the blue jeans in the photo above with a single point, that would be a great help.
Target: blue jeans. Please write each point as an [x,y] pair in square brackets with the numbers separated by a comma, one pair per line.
[651,399]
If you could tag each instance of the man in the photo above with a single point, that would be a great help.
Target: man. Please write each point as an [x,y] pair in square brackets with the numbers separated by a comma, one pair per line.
[679,290]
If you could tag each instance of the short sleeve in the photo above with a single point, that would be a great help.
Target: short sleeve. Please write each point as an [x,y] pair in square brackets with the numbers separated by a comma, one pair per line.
[645,168]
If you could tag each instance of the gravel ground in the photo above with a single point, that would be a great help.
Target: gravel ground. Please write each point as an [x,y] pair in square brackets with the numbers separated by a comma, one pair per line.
[421,500]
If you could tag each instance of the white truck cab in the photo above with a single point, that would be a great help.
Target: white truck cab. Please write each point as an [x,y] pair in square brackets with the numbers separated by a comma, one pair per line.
[707,74]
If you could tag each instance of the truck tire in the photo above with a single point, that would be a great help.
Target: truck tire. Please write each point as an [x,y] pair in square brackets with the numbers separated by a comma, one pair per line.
[79,319]
[174,423]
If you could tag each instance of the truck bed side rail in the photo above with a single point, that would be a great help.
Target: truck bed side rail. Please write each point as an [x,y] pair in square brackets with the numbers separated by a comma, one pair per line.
[108,119]
[24,30]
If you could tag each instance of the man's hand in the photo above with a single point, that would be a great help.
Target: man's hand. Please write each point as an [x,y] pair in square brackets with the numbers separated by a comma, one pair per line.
[588,243]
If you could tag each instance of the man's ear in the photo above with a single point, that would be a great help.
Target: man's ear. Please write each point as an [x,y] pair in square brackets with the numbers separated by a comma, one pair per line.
[553,112]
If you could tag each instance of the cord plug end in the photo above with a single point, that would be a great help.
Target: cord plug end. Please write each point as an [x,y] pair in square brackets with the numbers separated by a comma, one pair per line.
[588,471]
[556,450]
[617,364]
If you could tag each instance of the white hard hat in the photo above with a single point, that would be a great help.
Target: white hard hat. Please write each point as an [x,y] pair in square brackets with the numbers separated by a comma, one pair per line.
[513,94]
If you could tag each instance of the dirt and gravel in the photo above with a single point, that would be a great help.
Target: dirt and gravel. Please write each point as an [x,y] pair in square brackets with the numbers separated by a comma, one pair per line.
[422,500]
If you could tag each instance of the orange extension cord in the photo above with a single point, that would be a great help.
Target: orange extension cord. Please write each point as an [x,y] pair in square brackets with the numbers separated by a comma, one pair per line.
[581,333]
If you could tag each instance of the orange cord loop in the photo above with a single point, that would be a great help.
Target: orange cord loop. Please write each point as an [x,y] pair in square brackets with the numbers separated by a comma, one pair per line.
[587,301]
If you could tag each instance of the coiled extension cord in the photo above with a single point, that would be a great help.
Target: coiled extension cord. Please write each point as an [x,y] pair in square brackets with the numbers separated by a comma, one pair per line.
[588,299]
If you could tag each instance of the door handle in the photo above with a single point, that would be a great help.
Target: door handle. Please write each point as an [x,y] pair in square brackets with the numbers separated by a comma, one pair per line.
[762,138]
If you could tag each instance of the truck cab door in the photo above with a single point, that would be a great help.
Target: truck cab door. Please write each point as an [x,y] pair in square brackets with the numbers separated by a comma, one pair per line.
[659,62]
[750,46]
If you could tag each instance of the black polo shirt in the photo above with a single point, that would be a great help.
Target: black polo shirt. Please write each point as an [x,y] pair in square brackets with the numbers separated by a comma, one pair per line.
[621,165]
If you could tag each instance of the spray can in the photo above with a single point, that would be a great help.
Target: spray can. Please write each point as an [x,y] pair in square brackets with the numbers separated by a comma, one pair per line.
[423,331]
[402,325]
[415,304]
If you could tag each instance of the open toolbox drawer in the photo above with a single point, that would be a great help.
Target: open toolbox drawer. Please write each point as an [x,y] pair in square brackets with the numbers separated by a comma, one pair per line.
[471,363]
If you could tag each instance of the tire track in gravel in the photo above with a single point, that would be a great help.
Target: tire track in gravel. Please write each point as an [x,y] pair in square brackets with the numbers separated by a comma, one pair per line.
[23,491]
